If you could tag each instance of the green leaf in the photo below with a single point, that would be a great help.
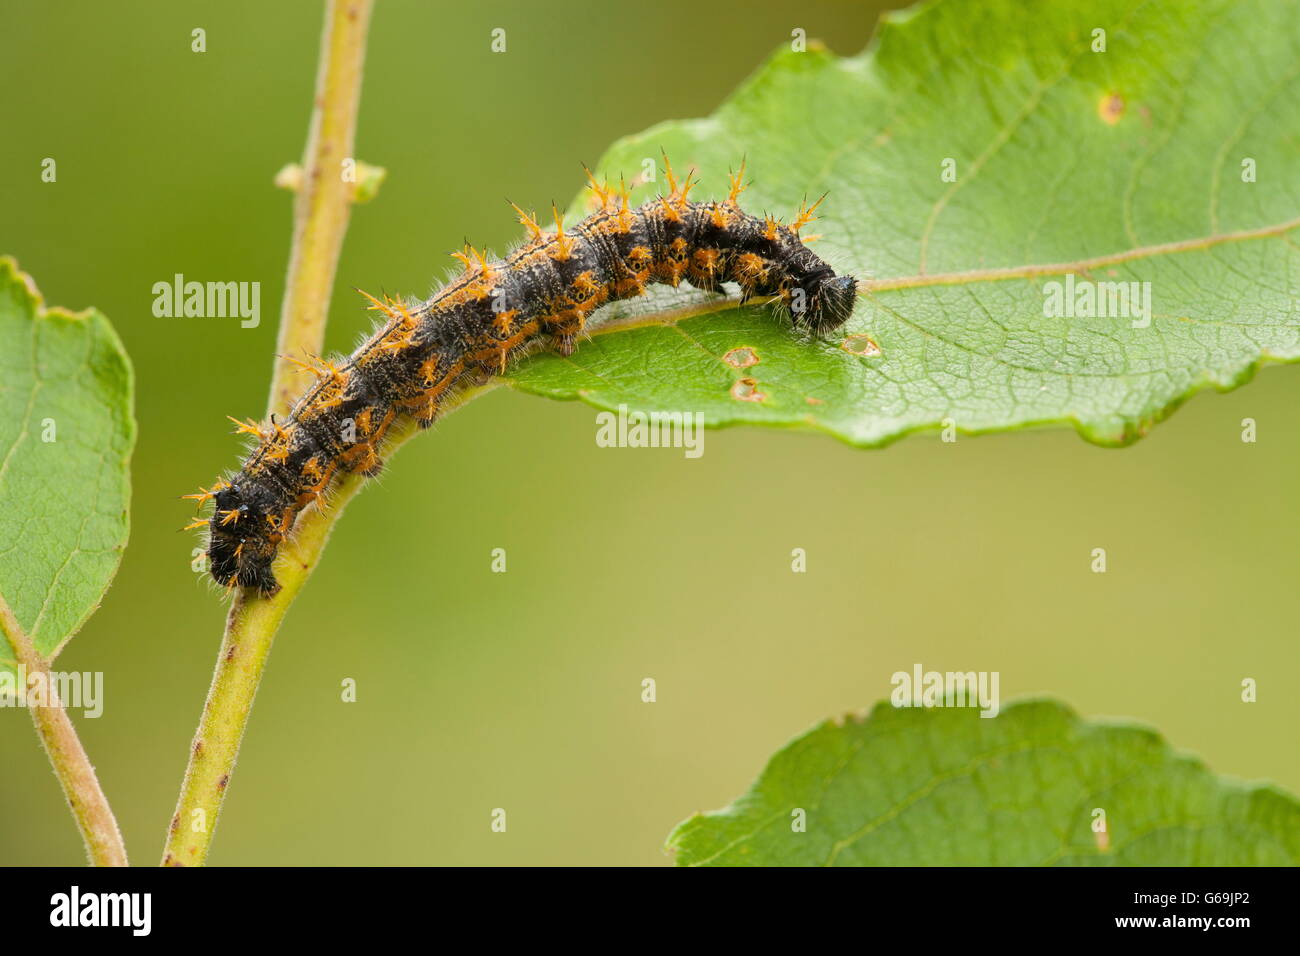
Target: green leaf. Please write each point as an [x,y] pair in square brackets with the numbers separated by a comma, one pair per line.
[66,434]
[1127,165]
[933,787]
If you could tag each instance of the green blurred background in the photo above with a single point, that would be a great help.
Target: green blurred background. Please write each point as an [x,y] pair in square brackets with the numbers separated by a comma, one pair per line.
[522,690]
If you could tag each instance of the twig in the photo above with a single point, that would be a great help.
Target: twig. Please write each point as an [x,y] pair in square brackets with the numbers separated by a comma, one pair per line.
[324,203]
[320,221]
[71,765]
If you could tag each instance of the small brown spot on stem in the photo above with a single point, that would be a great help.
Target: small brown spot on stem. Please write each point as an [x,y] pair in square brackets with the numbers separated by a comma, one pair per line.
[1111,108]
[861,344]
[813,401]
[1102,839]
[746,390]
[741,357]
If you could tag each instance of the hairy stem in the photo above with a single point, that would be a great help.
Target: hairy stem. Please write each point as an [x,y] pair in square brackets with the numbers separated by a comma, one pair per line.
[89,806]
[324,203]
[320,222]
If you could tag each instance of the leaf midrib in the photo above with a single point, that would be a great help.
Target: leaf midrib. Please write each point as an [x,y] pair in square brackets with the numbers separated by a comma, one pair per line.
[1035,270]
[670,317]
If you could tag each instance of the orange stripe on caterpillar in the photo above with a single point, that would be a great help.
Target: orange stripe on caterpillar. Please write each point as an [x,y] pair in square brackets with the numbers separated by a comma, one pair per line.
[425,352]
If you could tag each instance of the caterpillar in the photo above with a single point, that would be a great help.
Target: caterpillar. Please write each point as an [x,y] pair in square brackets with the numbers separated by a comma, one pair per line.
[544,291]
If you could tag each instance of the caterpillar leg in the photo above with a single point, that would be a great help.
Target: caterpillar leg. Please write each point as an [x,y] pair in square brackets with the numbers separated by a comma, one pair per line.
[426,413]
[362,457]
[564,343]
[565,329]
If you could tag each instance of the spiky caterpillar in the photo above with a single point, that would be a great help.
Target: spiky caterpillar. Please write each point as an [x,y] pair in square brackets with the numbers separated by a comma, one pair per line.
[423,353]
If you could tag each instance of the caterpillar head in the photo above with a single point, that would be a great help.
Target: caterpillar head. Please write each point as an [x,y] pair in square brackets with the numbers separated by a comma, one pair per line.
[818,299]
[830,302]
[241,547]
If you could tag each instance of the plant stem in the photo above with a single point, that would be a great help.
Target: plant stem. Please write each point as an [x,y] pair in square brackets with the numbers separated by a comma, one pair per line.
[89,806]
[324,201]
[320,221]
